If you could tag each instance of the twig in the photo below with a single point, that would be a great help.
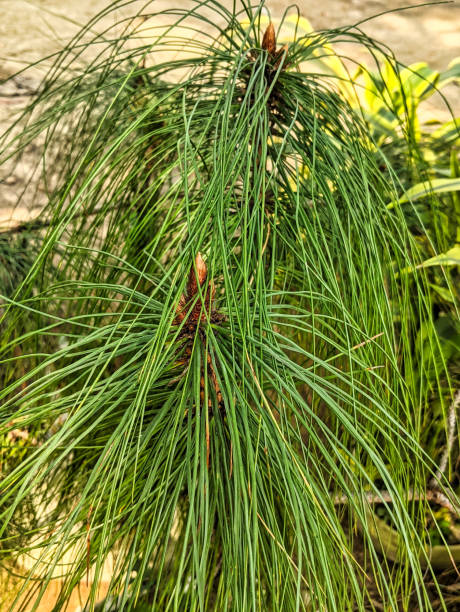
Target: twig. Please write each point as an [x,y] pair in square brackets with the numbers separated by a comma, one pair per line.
[357,346]
[36,224]
[22,89]
[431,495]
[451,435]
[18,94]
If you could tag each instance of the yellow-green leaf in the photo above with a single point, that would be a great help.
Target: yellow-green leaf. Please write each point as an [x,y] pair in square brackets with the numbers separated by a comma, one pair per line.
[423,189]
[450,258]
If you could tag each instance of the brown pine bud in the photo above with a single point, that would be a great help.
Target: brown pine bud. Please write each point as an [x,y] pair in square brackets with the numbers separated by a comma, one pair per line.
[197,276]
[181,309]
[269,39]
[281,56]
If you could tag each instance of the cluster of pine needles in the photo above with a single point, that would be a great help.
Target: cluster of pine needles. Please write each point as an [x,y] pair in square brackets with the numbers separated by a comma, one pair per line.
[213,346]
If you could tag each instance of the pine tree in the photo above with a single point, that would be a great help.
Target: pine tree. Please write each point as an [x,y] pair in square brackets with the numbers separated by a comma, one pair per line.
[232,379]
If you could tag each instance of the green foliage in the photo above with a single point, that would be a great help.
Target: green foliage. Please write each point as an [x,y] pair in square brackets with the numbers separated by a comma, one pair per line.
[245,340]
[425,156]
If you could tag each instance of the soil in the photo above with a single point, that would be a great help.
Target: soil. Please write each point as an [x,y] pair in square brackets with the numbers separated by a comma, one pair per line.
[32,30]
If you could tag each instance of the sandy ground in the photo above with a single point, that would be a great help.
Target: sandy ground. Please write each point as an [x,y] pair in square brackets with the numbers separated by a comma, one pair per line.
[31,30]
